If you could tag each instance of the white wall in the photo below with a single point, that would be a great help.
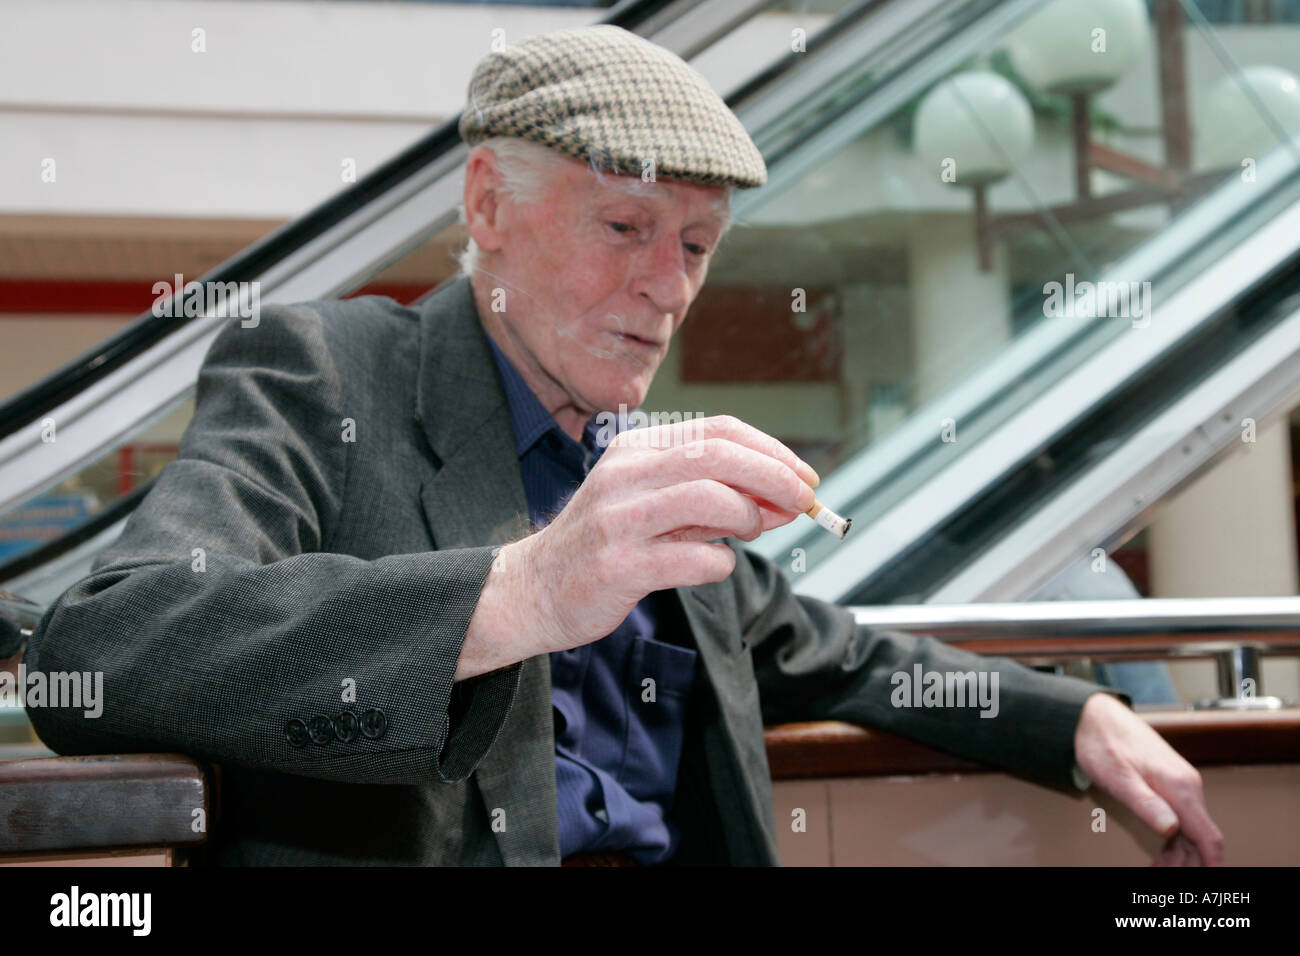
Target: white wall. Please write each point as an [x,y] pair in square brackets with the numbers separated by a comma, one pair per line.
[257,126]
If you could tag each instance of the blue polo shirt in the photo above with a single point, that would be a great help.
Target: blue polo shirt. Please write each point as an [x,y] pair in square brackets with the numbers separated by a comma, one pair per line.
[619,703]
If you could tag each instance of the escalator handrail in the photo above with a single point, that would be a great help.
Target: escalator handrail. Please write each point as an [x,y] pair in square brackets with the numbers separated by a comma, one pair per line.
[92,527]
[150,333]
[1219,615]
[26,407]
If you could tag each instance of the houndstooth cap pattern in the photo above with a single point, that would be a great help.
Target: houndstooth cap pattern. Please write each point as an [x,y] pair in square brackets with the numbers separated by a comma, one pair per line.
[615,100]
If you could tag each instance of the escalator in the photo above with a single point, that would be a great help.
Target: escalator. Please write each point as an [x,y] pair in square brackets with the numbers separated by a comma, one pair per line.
[932,517]
[1038,439]
[105,398]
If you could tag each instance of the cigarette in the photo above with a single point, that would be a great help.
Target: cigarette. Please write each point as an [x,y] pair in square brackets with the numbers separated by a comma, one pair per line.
[829,519]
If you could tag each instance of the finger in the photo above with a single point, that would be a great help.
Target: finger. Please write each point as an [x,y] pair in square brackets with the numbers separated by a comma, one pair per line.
[688,563]
[719,426]
[706,509]
[1204,836]
[769,517]
[770,482]
[702,504]
[1149,807]
[696,534]
[1166,855]
[1186,795]
[1177,852]
[1186,850]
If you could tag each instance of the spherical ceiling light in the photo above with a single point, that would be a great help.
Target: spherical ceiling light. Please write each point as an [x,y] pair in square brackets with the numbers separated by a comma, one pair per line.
[1079,46]
[1230,125]
[975,125]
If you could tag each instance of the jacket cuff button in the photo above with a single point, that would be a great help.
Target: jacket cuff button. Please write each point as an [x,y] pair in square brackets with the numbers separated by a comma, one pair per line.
[321,729]
[295,731]
[346,727]
[374,723]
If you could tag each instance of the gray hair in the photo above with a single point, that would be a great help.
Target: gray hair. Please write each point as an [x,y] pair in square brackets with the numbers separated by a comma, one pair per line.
[526,169]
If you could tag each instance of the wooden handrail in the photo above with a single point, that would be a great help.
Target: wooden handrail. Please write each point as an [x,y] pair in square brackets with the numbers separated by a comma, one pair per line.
[1204,737]
[138,800]
[100,802]
[153,800]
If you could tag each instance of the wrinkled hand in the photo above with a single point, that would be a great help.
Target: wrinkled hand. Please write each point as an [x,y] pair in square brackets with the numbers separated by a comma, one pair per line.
[644,520]
[1123,756]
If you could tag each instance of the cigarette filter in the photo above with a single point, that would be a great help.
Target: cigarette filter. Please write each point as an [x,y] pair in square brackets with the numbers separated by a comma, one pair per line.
[829,519]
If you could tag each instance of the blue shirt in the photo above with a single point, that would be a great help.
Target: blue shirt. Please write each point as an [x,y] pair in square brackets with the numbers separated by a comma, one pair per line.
[619,703]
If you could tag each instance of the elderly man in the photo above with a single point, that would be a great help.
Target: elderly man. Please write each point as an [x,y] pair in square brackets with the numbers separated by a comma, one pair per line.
[395,585]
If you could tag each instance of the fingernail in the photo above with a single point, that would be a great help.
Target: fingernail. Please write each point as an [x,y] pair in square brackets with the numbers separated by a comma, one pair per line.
[1166,822]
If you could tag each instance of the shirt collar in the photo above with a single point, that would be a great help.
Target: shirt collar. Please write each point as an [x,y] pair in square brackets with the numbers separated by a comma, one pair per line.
[530,418]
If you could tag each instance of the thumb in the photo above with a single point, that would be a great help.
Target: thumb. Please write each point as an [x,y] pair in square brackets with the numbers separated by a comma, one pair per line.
[1146,804]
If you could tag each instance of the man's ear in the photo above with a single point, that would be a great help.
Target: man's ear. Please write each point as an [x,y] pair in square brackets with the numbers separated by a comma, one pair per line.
[483,199]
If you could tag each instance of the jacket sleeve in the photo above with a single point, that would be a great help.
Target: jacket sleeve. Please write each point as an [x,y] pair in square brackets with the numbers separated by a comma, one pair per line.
[813,661]
[219,619]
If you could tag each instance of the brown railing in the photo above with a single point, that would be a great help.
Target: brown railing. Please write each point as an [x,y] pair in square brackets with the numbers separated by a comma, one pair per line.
[165,802]
[115,804]
[1204,738]
[76,807]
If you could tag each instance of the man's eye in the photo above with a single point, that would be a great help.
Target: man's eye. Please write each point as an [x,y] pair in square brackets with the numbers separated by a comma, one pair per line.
[694,248]
[622,227]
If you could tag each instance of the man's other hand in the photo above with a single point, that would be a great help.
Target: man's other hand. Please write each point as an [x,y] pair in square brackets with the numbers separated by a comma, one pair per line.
[1123,756]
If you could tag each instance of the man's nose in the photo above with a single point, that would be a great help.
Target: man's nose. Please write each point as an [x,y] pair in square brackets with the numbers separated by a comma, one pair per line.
[663,275]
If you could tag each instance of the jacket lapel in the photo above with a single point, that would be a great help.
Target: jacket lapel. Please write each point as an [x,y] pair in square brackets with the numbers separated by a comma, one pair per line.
[477,498]
[735,756]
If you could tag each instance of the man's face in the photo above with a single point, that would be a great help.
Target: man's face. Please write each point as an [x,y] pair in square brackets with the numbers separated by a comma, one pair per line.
[599,274]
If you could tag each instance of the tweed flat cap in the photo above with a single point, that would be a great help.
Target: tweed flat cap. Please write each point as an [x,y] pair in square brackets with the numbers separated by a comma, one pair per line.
[610,98]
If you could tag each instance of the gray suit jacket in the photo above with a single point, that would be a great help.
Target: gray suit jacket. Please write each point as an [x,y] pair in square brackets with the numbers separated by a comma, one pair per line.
[278,573]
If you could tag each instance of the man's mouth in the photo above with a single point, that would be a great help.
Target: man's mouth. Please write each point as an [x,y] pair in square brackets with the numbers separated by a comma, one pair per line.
[637,340]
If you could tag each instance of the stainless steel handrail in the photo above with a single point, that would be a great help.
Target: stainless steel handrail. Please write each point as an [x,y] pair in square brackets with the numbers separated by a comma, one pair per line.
[1234,615]
[1242,626]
